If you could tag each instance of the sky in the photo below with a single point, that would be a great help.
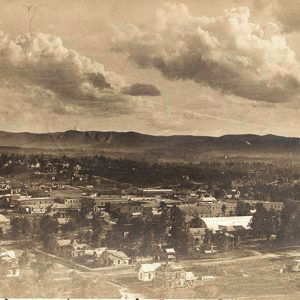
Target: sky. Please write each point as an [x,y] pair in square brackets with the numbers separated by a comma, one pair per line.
[209,67]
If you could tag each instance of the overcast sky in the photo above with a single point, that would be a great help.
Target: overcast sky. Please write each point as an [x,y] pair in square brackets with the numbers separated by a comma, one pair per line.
[209,67]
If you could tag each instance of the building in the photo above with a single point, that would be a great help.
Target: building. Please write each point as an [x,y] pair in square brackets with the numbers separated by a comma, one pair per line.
[4,224]
[131,208]
[34,209]
[157,192]
[219,223]
[9,264]
[276,206]
[167,254]
[295,265]
[147,271]
[173,276]
[195,210]
[114,258]
[219,209]
[98,203]
[25,201]
[63,210]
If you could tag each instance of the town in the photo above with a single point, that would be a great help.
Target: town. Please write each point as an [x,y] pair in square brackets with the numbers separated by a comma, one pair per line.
[61,221]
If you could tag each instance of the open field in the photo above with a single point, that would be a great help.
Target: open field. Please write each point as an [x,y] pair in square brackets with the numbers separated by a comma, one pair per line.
[251,277]
[255,275]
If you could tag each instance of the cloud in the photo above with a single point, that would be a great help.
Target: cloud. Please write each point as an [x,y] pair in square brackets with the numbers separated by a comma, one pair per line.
[42,60]
[140,89]
[228,53]
[62,81]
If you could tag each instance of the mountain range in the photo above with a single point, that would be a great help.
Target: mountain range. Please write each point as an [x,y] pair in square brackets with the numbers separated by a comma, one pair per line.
[133,145]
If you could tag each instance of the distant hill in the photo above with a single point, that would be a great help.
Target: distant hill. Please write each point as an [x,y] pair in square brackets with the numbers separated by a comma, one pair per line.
[134,145]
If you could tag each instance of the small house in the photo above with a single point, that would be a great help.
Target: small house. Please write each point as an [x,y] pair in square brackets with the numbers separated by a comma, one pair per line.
[114,258]
[9,264]
[147,271]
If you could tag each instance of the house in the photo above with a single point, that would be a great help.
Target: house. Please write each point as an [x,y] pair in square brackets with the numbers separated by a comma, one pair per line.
[4,224]
[77,168]
[9,264]
[190,279]
[170,275]
[165,254]
[114,258]
[147,271]
[295,265]
[78,250]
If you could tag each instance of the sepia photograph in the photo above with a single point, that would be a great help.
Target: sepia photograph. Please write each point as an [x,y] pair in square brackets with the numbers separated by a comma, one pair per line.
[150,149]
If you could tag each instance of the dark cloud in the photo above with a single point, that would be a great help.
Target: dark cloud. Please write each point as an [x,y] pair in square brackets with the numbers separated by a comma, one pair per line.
[228,53]
[140,89]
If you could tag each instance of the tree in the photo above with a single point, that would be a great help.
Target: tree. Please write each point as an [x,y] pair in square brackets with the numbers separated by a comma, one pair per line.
[223,208]
[16,228]
[96,227]
[264,222]
[48,226]
[27,228]
[242,208]
[161,225]
[196,222]
[51,244]
[289,226]
[148,236]
[207,237]
[179,231]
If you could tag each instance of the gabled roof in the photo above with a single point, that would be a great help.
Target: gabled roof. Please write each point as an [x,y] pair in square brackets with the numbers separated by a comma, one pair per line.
[99,251]
[145,268]
[190,276]
[118,254]
[9,254]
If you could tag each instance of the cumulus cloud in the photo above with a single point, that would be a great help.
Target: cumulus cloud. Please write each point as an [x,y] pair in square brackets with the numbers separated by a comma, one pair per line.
[141,89]
[42,60]
[228,53]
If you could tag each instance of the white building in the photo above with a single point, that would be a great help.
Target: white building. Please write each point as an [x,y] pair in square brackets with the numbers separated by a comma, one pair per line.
[219,223]
[147,271]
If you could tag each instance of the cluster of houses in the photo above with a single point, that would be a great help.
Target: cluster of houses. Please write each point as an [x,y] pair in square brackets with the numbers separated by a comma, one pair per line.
[102,257]
[167,274]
